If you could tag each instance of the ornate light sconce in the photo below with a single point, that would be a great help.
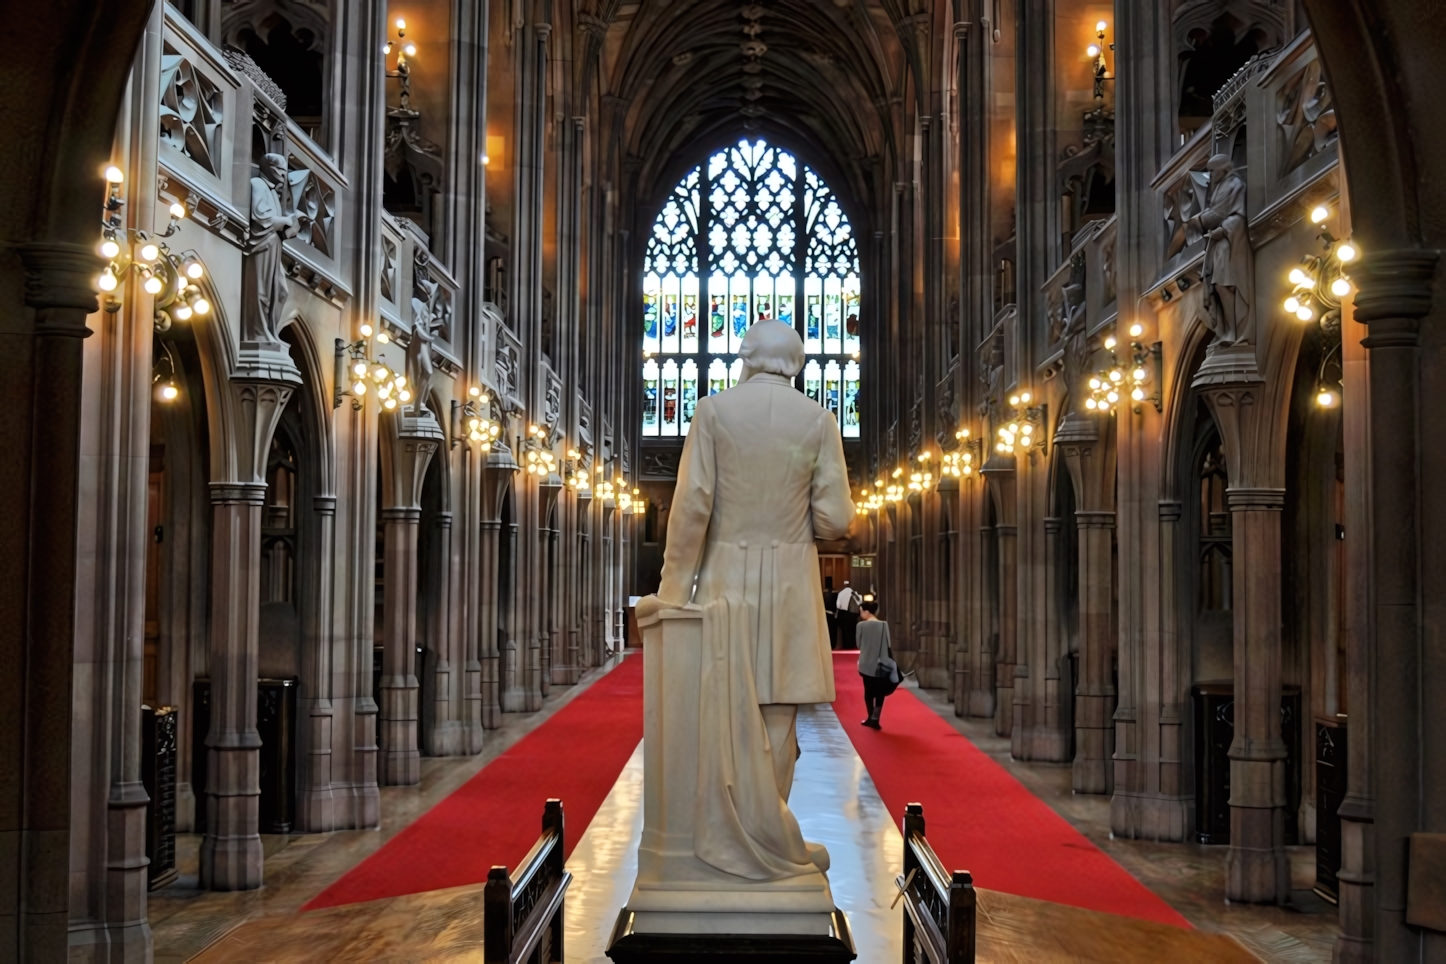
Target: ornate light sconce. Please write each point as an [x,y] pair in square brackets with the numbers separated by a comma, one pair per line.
[167,277]
[404,48]
[539,459]
[480,430]
[958,463]
[922,480]
[1097,51]
[1107,385]
[1147,367]
[576,475]
[363,373]
[1320,284]
[163,374]
[1018,431]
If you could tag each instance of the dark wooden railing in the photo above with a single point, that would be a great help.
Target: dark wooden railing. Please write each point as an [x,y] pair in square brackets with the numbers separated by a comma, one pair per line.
[938,907]
[522,918]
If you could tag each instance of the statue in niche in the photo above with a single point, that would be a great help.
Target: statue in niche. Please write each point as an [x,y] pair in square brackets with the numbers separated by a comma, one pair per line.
[1075,336]
[424,332]
[991,373]
[263,276]
[762,475]
[1227,270]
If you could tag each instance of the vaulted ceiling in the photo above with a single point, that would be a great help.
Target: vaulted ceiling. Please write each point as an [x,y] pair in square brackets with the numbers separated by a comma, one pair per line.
[820,77]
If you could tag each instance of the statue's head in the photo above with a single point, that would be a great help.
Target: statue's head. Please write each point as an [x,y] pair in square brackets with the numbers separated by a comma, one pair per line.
[773,348]
[273,167]
[1219,163]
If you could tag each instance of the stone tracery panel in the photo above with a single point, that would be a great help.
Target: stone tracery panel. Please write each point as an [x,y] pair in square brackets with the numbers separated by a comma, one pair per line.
[190,110]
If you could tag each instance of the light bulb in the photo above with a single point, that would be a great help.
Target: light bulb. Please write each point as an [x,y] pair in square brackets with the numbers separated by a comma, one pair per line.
[1319,213]
[366,331]
[153,285]
[383,338]
[1093,50]
[1014,399]
[486,160]
[1326,398]
[113,175]
[178,210]
[1138,374]
[1136,330]
[1340,287]
[1112,397]
[182,312]
[1110,342]
[359,388]
[401,24]
[360,368]
[1138,394]
[107,281]
[1094,383]
[379,374]
[1304,313]
[1100,27]
[149,252]
[411,50]
[404,395]
[202,306]
[109,249]
[389,404]
[1116,375]
[1346,252]
[169,392]
[1091,404]
[1024,397]
[1013,427]
[1292,305]
[474,391]
[195,270]
[1027,429]
[1297,276]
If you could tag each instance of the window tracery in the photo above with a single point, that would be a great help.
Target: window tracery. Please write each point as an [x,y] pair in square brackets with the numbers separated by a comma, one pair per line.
[749,235]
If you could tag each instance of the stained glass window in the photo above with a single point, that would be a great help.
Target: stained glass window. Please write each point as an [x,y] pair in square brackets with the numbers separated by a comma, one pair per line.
[749,235]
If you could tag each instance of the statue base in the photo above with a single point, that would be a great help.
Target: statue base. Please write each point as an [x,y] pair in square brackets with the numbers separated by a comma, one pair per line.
[642,938]
[682,909]
[1227,365]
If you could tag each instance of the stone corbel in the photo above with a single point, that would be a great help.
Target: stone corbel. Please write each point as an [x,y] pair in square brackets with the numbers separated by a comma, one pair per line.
[416,440]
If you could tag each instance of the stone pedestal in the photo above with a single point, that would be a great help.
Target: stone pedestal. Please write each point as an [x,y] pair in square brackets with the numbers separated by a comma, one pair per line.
[681,908]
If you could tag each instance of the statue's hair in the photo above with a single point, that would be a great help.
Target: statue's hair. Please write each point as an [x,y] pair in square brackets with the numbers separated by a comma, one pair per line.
[772,347]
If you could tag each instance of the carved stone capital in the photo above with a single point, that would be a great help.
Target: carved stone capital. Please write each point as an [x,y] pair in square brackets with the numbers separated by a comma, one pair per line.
[1171,510]
[1395,293]
[1228,365]
[257,409]
[265,362]
[1254,500]
[1095,520]
[61,275]
[412,442]
[238,493]
[1077,429]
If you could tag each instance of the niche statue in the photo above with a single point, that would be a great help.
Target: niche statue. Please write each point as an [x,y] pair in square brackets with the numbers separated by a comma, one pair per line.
[1227,254]
[263,276]
[419,349]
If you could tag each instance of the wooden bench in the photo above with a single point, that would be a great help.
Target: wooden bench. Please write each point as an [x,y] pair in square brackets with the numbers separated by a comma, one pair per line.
[939,907]
[522,919]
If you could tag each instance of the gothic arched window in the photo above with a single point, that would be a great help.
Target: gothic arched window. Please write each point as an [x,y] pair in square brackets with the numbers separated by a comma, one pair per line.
[747,236]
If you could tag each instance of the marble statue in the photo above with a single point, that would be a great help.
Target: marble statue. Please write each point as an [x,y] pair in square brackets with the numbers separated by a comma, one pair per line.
[419,349]
[263,276]
[1227,270]
[762,475]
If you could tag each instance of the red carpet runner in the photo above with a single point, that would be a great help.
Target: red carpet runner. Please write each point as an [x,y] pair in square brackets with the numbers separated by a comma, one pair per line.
[494,818]
[979,817]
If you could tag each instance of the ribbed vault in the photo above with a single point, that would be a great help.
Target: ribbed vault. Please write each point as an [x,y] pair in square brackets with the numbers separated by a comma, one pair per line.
[810,75]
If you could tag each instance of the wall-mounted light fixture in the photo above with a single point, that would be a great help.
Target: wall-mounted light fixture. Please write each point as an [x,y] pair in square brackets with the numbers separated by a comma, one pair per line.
[1019,424]
[358,373]
[1320,283]
[1097,51]
[404,48]
[170,279]
[1147,368]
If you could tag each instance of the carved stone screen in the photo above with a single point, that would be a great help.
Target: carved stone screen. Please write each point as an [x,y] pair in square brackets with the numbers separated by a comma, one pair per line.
[749,235]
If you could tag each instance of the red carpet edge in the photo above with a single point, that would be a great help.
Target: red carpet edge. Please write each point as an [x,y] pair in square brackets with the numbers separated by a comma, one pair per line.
[495,817]
[980,818]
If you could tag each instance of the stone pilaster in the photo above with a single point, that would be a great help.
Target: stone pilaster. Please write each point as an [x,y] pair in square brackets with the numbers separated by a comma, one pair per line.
[231,849]
[408,449]
[1257,869]
[1002,479]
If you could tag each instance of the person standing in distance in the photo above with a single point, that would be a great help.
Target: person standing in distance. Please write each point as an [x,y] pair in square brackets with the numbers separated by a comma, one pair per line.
[830,610]
[847,607]
[873,635]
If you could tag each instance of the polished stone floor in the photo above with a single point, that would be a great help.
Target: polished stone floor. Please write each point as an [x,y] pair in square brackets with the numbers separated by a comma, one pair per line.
[837,805]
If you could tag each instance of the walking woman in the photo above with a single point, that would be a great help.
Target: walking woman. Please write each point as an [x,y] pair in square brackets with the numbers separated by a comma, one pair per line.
[873,639]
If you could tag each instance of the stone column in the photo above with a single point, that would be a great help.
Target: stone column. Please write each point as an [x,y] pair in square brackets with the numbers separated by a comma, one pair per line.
[1089,456]
[1094,702]
[405,455]
[1256,865]
[231,850]
[999,470]
[316,806]
[1399,664]
[443,740]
